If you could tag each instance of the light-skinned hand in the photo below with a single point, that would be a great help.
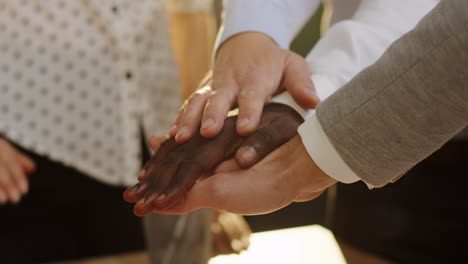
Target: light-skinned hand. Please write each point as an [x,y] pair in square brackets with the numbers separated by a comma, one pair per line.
[174,168]
[14,168]
[286,175]
[249,68]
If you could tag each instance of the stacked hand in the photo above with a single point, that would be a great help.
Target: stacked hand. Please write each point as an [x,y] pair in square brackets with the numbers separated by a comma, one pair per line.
[175,168]
[249,68]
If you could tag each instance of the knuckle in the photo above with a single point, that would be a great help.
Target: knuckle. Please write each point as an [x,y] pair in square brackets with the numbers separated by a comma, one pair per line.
[182,107]
[248,94]
[204,91]
[252,73]
[191,164]
[222,93]
[264,135]
[196,97]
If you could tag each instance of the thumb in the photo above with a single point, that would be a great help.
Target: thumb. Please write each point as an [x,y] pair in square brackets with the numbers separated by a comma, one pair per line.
[275,132]
[296,80]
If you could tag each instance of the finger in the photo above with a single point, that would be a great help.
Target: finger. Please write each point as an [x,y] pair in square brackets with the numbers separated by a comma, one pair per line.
[163,179]
[3,195]
[262,142]
[296,80]
[191,168]
[175,127]
[187,175]
[27,163]
[216,110]
[251,102]
[190,121]
[156,141]
[144,206]
[163,175]
[18,177]
[308,196]
[227,166]
[155,180]
[159,175]
[7,184]
[240,192]
[221,241]
[136,192]
[190,203]
[164,148]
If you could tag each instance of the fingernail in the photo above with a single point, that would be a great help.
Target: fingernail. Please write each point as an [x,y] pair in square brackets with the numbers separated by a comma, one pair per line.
[134,188]
[183,132]
[248,154]
[243,122]
[161,197]
[208,123]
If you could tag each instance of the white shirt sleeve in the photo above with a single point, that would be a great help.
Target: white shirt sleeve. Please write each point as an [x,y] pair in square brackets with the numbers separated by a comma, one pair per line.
[347,48]
[323,153]
[279,19]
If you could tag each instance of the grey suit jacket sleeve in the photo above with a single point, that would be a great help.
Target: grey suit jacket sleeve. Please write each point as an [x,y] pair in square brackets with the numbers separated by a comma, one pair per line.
[408,104]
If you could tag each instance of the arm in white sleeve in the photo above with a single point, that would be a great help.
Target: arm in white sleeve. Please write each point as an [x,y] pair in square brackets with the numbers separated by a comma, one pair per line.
[281,20]
[348,47]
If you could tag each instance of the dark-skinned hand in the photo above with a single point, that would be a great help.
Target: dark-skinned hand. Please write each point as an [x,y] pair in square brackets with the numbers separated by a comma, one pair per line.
[175,168]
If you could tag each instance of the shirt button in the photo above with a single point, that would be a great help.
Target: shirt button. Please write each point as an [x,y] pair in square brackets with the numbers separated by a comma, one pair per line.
[115,9]
[128,75]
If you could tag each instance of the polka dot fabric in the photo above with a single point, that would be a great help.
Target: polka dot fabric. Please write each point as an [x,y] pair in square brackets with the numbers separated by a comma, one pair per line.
[79,78]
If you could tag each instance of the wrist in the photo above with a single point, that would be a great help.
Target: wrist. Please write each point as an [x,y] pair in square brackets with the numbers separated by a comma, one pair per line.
[249,39]
[306,176]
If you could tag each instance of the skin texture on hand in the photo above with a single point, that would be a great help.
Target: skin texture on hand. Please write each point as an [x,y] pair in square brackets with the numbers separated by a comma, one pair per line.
[14,167]
[249,68]
[175,168]
[286,175]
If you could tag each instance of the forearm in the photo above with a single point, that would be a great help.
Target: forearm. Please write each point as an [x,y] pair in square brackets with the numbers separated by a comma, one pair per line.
[401,109]
[350,46]
[353,44]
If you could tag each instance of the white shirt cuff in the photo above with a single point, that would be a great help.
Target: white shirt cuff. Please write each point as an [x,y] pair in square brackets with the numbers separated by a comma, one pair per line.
[323,153]
[286,99]
[324,87]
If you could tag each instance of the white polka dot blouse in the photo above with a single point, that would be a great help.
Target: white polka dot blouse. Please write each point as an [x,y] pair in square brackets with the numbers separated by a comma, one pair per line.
[79,79]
